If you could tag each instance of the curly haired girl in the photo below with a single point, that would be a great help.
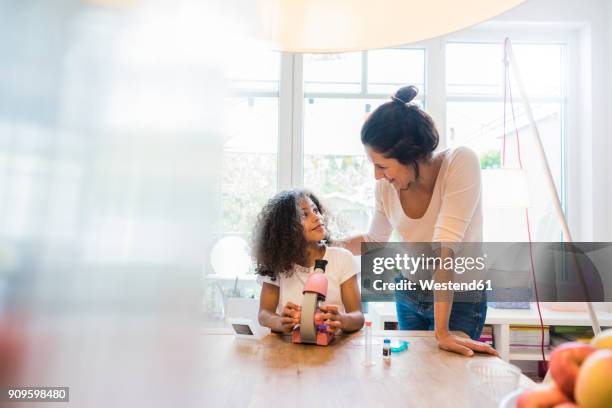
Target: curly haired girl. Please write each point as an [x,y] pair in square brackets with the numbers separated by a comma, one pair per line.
[289,236]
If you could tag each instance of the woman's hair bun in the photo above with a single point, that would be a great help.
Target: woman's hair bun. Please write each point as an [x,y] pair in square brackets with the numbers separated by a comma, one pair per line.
[406,93]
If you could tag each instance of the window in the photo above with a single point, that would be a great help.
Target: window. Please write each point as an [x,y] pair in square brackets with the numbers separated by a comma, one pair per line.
[249,163]
[478,118]
[340,90]
[248,176]
[325,98]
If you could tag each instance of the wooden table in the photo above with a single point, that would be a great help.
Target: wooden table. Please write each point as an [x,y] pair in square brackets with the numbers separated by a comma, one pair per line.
[502,319]
[274,372]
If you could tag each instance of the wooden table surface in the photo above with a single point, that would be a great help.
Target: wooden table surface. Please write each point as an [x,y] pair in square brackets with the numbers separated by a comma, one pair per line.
[273,372]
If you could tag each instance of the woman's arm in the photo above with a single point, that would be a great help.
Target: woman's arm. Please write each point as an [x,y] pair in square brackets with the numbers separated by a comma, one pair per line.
[353,244]
[451,342]
[380,227]
[352,318]
[443,303]
[268,302]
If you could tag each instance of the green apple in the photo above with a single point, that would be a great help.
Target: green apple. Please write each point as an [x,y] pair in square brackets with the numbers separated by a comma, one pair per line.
[603,340]
[594,383]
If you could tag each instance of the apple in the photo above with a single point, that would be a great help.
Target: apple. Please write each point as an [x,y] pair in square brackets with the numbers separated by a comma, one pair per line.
[594,383]
[541,396]
[12,353]
[603,340]
[566,405]
[565,362]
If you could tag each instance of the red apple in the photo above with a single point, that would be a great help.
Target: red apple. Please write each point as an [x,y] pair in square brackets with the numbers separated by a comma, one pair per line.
[565,362]
[541,396]
[594,383]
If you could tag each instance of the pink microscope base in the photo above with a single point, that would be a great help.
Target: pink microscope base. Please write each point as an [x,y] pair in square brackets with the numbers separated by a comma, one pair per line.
[323,338]
[315,330]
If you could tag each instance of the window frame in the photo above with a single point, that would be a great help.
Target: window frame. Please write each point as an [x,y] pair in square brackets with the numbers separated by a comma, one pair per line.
[291,114]
[435,98]
[526,33]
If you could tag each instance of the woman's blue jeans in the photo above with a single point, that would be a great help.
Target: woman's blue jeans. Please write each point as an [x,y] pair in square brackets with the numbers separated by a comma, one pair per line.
[415,311]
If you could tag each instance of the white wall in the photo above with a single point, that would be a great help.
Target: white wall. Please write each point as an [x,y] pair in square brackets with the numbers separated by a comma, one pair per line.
[589,167]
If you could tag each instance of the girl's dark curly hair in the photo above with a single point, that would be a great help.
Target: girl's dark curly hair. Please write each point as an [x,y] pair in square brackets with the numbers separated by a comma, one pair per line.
[278,238]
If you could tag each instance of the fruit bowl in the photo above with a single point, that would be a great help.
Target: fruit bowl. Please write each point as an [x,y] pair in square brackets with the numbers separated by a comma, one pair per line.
[579,376]
[509,401]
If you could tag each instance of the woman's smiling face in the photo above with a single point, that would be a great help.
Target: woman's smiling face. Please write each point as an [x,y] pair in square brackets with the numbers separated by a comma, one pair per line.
[399,175]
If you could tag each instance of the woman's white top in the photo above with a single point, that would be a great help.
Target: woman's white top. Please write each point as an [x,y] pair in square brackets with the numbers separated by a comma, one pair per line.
[341,266]
[454,213]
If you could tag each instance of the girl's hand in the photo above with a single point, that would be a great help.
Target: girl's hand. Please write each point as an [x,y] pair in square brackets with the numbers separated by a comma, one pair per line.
[290,317]
[332,318]
[463,345]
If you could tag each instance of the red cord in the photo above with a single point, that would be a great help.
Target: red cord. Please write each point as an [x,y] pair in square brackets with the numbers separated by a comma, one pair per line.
[535,286]
[518,145]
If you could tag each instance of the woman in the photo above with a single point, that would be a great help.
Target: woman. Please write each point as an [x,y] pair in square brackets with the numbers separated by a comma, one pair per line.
[426,197]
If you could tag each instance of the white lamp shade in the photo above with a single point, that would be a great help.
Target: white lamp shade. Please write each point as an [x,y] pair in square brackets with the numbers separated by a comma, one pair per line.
[349,25]
[506,188]
[230,257]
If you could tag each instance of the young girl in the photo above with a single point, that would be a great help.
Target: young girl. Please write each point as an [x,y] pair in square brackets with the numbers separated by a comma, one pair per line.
[289,236]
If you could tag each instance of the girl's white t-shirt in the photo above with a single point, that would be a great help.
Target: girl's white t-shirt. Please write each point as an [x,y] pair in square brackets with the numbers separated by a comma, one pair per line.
[341,266]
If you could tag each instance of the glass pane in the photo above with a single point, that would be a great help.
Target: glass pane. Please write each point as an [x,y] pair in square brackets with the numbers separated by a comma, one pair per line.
[249,162]
[334,125]
[474,69]
[541,67]
[260,74]
[480,126]
[391,69]
[248,178]
[20,192]
[335,166]
[336,73]
[477,125]
[257,129]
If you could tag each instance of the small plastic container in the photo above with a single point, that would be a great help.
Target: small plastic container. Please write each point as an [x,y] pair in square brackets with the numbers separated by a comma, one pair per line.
[368,344]
[490,380]
[386,351]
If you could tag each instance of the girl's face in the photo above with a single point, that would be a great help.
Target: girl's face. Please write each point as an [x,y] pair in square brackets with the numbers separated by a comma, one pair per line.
[399,175]
[312,221]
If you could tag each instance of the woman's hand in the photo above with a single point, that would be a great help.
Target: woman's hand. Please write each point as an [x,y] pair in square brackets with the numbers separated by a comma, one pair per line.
[463,344]
[290,317]
[331,317]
